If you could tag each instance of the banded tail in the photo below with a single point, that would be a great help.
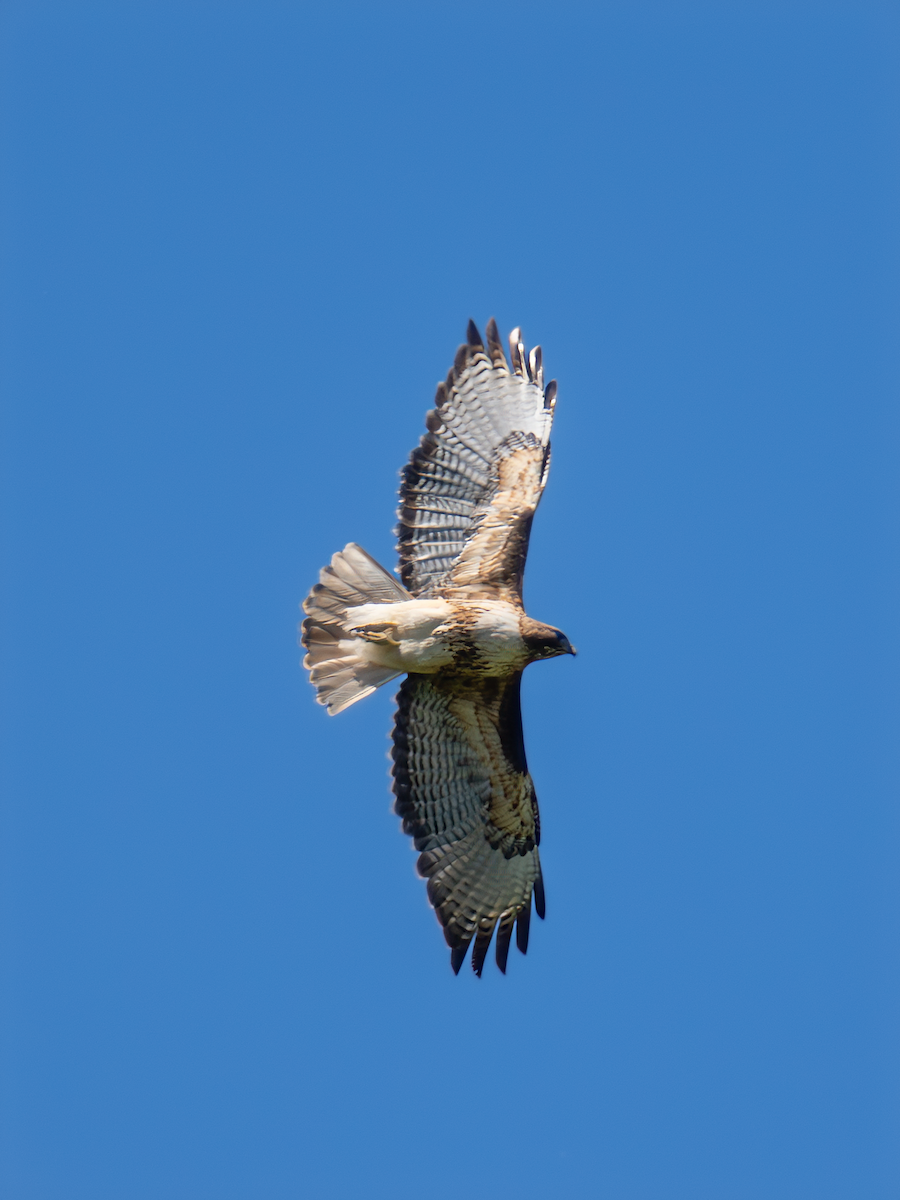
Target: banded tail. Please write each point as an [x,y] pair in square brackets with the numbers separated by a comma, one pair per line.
[339,673]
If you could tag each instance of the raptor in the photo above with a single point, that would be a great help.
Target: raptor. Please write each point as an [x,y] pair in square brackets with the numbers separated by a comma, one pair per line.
[455,626]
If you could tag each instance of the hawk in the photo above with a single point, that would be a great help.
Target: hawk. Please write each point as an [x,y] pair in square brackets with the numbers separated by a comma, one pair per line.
[456,628]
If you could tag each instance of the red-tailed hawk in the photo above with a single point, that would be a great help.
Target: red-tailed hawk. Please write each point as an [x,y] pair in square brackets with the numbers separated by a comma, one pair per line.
[457,629]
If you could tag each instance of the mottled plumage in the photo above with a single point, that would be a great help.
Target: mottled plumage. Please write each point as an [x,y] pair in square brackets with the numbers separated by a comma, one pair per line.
[457,629]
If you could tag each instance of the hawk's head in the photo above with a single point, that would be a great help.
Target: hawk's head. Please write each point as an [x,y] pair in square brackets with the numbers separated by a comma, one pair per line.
[543,641]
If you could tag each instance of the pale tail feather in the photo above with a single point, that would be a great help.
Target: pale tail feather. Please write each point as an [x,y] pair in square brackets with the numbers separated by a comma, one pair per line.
[336,669]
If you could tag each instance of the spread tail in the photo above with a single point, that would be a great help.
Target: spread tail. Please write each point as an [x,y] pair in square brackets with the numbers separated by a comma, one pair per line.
[337,670]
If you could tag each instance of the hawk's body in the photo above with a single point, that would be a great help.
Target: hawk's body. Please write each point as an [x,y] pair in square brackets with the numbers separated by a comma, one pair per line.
[458,630]
[476,637]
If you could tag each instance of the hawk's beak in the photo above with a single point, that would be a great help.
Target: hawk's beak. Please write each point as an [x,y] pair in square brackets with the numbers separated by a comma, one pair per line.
[572,650]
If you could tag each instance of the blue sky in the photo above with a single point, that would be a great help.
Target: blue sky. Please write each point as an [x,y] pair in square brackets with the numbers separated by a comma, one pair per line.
[240,244]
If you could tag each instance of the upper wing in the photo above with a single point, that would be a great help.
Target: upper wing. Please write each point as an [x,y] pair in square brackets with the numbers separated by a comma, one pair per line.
[465,795]
[471,487]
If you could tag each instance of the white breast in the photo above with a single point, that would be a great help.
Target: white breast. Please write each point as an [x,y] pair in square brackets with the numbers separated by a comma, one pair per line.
[497,638]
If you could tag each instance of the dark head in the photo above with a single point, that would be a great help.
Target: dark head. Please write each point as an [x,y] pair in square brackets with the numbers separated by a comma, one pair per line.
[543,641]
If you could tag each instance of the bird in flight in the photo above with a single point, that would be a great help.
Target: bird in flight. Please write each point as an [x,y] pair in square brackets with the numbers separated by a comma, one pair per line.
[456,627]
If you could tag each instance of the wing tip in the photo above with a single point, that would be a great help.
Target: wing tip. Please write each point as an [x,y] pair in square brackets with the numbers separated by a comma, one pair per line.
[480,949]
[517,352]
[535,367]
[458,956]
[523,923]
[495,347]
[540,899]
[504,936]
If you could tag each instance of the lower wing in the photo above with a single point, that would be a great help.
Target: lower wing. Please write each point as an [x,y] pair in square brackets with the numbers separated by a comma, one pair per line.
[463,790]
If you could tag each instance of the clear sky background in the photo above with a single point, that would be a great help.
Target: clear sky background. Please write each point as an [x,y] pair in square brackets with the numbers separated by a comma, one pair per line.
[240,244]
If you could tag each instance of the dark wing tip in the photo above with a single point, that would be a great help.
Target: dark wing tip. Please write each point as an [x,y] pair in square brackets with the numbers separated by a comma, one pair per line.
[480,949]
[522,925]
[504,936]
[473,337]
[540,901]
[495,346]
[458,956]
[550,394]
